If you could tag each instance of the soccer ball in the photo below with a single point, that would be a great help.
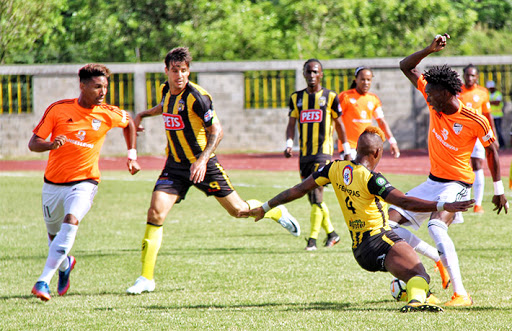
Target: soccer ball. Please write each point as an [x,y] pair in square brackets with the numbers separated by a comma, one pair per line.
[398,289]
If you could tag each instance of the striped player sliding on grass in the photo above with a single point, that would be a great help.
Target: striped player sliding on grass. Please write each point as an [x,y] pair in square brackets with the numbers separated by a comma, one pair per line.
[363,196]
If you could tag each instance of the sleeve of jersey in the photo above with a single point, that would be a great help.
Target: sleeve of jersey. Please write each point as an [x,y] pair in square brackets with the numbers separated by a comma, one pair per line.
[120,118]
[45,126]
[293,112]
[164,88]
[485,135]
[203,107]
[421,85]
[378,113]
[379,185]
[321,176]
[336,107]
[486,105]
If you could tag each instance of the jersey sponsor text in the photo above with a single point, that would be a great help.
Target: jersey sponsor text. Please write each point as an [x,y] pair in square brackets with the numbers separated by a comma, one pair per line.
[173,122]
[311,116]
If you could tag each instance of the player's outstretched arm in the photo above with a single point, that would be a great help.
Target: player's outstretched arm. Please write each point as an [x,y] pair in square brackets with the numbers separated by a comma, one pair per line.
[288,195]
[397,198]
[499,200]
[409,64]
[157,110]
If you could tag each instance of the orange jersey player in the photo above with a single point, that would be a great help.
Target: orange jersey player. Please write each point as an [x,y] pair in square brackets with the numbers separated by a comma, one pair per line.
[359,107]
[453,131]
[477,97]
[78,128]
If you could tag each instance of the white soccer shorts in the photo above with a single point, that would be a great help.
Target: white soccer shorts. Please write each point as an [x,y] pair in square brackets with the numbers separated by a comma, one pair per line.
[434,191]
[60,200]
[478,151]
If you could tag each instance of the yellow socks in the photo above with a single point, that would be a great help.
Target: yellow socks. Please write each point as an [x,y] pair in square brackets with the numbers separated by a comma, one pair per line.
[315,219]
[326,220]
[150,246]
[417,288]
[274,213]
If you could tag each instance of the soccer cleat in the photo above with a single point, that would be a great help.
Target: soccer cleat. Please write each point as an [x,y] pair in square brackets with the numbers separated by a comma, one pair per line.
[478,209]
[460,301]
[42,291]
[142,284]
[330,242]
[445,276]
[431,299]
[311,245]
[63,285]
[288,222]
[415,305]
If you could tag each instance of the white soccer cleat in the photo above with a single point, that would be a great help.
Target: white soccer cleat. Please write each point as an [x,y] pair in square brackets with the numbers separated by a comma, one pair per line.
[142,284]
[288,222]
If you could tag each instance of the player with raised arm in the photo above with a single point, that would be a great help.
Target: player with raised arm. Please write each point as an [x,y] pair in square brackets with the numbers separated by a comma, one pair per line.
[78,128]
[193,133]
[453,131]
[363,196]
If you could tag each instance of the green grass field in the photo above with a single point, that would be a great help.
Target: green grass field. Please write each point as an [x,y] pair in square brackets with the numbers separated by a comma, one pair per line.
[220,273]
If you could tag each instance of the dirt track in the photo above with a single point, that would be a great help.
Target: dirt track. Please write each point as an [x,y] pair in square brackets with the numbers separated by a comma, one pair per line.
[410,162]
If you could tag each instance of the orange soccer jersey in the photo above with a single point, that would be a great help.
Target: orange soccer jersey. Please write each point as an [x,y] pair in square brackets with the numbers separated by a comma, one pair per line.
[358,111]
[85,131]
[451,139]
[477,98]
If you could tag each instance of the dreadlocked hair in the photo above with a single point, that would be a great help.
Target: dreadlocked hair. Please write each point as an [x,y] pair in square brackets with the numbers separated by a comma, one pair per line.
[445,77]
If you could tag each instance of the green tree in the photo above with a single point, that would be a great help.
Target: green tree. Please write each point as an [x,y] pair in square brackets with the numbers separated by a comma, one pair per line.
[22,23]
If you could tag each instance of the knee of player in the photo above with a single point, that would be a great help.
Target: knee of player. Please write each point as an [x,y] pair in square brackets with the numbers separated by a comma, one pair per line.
[71,219]
[155,217]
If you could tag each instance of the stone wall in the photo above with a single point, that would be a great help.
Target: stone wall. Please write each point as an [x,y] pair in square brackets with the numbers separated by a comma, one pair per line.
[256,130]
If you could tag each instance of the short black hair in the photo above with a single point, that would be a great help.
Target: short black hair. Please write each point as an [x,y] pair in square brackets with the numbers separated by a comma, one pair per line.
[445,77]
[178,54]
[93,70]
[469,66]
[312,61]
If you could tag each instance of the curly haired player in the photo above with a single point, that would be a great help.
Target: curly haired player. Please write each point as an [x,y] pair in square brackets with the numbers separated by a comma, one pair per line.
[453,131]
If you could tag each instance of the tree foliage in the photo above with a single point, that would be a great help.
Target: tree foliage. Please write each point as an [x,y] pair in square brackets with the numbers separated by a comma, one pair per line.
[66,31]
[22,23]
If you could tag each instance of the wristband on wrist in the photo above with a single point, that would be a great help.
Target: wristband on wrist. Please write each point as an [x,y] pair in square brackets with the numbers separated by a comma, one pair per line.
[498,188]
[440,205]
[265,206]
[392,140]
[132,154]
[346,148]
[289,143]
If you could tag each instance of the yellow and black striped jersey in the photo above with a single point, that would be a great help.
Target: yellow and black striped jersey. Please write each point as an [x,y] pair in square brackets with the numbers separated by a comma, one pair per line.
[361,195]
[315,113]
[185,117]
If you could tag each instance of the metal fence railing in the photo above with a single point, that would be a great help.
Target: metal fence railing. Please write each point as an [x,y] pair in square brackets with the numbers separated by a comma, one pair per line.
[268,89]
[262,89]
[15,94]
